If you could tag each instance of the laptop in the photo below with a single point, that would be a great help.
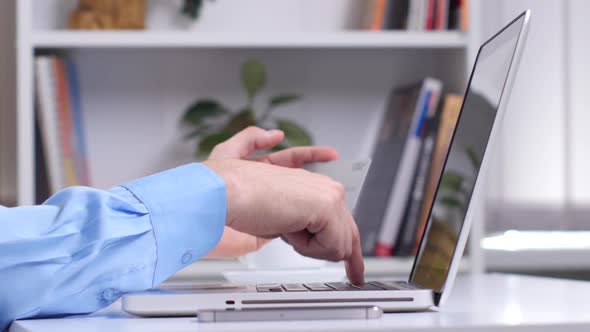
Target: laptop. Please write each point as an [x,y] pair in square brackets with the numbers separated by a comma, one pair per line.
[445,235]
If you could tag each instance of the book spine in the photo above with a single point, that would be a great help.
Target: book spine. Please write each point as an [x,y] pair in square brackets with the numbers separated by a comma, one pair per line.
[443,15]
[405,174]
[79,135]
[397,202]
[464,10]
[422,14]
[406,239]
[413,9]
[386,153]
[47,112]
[379,15]
[65,123]
[430,7]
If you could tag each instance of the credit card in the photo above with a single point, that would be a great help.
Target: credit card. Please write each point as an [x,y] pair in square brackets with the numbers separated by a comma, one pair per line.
[350,173]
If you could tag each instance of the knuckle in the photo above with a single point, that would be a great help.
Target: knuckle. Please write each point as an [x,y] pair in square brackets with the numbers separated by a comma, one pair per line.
[340,254]
[340,191]
[356,236]
[253,130]
[337,194]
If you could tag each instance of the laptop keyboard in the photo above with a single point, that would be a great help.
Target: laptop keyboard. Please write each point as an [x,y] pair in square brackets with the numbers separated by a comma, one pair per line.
[333,286]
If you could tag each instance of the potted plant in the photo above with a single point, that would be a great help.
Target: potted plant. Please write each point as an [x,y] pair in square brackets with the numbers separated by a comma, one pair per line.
[212,122]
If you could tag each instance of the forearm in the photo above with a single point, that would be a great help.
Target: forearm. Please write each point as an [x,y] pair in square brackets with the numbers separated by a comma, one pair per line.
[83,248]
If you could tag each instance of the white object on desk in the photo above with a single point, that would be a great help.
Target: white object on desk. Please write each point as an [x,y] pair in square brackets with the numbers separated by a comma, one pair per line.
[477,303]
[537,251]
[323,274]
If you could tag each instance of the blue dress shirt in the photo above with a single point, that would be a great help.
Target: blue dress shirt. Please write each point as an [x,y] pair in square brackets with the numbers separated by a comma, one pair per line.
[83,248]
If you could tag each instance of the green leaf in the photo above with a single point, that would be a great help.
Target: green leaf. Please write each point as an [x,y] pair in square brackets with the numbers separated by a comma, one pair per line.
[207,143]
[451,202]
[473,157]
[279,147]
[451,181]
[240,121]
[253,77]
[202,109]
[192,8]
[195,133]
[295,134]
[282,100]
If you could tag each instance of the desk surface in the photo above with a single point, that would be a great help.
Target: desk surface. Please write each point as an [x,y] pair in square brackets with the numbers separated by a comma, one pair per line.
[478,303]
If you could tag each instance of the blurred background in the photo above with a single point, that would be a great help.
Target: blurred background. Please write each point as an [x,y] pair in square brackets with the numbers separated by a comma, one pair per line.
[101,92]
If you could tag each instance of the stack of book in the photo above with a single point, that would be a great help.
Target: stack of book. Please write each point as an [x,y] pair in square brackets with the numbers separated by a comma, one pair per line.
[417,15]
[61,146]
[408,157]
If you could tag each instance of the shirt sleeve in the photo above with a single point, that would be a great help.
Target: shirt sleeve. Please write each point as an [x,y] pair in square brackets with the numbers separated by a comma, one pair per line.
[83,248]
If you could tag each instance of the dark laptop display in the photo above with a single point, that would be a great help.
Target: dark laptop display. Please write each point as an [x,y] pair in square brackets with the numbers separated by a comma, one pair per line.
[462,166]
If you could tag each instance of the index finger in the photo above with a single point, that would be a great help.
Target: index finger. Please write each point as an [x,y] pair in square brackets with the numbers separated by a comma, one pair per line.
[298,156]
[355,266]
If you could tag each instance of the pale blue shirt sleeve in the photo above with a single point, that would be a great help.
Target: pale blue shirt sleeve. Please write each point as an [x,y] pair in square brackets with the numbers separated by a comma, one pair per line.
[83,248]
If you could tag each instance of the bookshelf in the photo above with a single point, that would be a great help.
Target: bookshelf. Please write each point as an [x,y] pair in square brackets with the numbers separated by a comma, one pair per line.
[290,40]
[140,82]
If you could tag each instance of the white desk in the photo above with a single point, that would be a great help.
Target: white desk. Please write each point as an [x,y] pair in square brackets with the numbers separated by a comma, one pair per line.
[478,303]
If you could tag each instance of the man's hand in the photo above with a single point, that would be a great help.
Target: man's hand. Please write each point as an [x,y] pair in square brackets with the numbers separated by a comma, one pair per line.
[307,210]
[242,146]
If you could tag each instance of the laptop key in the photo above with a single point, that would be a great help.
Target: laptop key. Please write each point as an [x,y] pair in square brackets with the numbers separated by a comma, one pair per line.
[387,285]
[370,286]
[342,286]
[269,288]
[317,287]
[294,288]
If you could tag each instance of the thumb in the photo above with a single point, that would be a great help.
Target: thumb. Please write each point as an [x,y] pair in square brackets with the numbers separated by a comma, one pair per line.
[246,142]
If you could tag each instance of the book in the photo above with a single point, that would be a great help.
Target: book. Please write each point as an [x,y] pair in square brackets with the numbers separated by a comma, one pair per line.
[387,151]
[427,15]
[375,17]
[79,146]
[446,127]
[397,14]
[442,10]
[464,9]
[404,176]
[430,10]
[61,132]
[65,131]
[404,244]
[48,119]
[42,190]
[458,15]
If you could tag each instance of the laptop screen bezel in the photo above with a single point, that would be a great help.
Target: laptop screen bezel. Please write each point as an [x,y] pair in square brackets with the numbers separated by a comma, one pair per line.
[524,16]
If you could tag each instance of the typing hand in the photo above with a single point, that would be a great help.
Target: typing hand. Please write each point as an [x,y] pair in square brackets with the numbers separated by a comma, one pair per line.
[242,146]
[307,210]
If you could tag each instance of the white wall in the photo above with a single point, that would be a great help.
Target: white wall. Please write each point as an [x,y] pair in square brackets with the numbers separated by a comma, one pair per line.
[7,103]
[229,15]
[537,166]
[579,58]
[133,99]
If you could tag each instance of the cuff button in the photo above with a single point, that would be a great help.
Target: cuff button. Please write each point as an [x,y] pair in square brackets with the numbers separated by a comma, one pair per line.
[110,294]
[186,257]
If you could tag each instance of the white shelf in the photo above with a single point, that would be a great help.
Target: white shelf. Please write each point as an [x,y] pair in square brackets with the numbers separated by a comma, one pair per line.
[211,270]
[537,260]
[521,251]
[162,39]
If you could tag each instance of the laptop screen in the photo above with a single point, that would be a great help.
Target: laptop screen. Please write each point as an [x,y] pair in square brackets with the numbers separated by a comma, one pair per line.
[472,131]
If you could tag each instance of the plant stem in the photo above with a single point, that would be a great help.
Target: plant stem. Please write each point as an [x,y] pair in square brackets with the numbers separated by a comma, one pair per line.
[264,116]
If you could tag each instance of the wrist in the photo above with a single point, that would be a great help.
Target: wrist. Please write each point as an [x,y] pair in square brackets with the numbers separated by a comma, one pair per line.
[227,170]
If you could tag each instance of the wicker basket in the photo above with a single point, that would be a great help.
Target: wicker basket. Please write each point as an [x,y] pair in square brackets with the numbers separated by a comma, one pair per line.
[108,14]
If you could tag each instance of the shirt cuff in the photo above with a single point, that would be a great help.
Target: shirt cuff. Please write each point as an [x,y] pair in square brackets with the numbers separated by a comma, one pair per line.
[187,209]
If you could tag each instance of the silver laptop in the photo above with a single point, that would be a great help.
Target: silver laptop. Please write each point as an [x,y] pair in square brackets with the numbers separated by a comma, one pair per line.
[444,238]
